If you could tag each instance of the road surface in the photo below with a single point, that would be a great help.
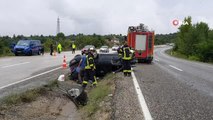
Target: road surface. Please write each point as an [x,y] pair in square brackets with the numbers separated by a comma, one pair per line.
[176,89]
[19,69]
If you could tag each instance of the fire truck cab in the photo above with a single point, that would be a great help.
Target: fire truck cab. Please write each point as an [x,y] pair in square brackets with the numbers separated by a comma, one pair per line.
[141,40]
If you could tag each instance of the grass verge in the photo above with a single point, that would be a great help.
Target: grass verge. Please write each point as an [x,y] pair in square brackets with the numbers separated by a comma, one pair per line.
[176,54]
[27,96]
[97,96]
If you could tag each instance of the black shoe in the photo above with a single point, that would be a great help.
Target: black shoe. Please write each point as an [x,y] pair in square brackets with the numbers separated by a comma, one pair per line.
[125,74]
[129,74]
[84,85]
[94,86]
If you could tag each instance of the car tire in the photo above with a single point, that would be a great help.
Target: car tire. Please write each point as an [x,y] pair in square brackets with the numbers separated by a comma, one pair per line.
[30,53]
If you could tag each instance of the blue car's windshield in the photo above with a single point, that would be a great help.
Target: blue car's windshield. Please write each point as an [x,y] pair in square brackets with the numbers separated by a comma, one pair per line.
[23,43]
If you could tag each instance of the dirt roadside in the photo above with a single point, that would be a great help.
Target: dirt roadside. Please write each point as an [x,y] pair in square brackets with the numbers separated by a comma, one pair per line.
[52,105]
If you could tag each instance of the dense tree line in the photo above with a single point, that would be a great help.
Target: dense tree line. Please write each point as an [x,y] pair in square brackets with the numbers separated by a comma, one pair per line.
[195,40]
[161,39]
[80,40]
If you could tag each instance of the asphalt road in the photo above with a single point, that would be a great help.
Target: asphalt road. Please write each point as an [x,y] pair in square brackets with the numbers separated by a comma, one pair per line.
[19,68]
[176,89]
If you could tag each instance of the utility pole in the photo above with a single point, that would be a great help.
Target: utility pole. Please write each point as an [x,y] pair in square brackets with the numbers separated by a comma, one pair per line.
[58,26]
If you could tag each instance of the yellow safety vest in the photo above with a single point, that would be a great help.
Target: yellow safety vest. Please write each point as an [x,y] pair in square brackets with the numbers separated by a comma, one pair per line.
[89,62]
[126,53]
[73,46]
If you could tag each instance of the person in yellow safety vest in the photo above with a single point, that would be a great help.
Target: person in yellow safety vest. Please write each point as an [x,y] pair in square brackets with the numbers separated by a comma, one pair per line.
[59,48]
[126,58]
[89,72]
[73,48]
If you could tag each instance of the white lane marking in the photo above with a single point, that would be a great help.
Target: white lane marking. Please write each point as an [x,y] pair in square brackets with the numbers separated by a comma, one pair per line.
[157,60]
[146,113]
[29,78]
[175,68]
[15,65]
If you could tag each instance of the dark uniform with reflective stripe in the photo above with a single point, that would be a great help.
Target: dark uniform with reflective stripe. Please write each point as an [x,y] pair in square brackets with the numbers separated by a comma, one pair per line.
[89,73]
[126,58]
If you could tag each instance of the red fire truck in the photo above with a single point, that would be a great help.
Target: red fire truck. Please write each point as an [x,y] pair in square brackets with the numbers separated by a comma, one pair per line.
[142,41]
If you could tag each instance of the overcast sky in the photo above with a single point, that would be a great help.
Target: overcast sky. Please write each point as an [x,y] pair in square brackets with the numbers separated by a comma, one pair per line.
[36,17]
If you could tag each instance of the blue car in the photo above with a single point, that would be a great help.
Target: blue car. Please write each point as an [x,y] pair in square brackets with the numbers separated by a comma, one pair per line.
[27,47]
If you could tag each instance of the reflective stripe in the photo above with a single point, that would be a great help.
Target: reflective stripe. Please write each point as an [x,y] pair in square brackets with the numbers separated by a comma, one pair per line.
[127,70]
[87,65]
[85,82]
[95,82]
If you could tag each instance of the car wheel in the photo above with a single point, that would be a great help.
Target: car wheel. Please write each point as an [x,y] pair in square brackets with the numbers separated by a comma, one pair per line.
[30,53]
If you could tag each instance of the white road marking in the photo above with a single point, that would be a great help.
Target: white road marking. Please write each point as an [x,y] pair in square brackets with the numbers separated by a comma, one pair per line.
[29,78]
[146,113]
[15,65]
[157,60]
[175,68]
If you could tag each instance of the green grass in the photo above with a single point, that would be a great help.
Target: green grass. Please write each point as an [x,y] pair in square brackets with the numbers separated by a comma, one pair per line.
[98,94]
[179,55]
[27,96]
[176,54]
[6,54]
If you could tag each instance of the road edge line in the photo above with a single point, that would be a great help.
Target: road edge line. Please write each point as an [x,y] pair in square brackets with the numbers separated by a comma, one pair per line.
[175,68]
[15,64]
[29,78]
[144,107]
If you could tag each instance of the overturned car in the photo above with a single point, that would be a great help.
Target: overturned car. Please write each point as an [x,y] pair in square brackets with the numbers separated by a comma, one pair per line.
[105,63]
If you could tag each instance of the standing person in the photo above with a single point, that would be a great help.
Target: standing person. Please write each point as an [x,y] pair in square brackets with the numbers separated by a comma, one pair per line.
[73,48]
[89,73]
[51,49]
[42,50]
[126,58]
[59,48]
[81,67]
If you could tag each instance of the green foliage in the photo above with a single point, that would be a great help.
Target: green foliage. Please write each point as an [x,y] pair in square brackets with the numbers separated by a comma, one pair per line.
[195,41]
[98,94]
[165,38]
[60,36]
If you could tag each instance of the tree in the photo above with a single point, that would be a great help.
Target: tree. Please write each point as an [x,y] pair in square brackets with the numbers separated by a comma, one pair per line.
[60,36]
[195,41]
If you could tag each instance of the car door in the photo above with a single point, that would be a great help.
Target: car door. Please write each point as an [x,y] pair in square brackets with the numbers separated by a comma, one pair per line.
[33,47]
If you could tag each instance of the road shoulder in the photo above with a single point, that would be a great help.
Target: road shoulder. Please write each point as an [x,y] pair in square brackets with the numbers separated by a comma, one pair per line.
[125,103]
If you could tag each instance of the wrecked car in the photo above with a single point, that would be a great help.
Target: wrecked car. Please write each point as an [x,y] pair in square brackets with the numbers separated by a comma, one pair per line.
[105,63]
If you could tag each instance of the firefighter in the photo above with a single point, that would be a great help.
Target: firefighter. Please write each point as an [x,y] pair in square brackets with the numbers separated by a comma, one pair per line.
[59,48]
[73,48]
[126,58]
[89,72]
[51,49]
